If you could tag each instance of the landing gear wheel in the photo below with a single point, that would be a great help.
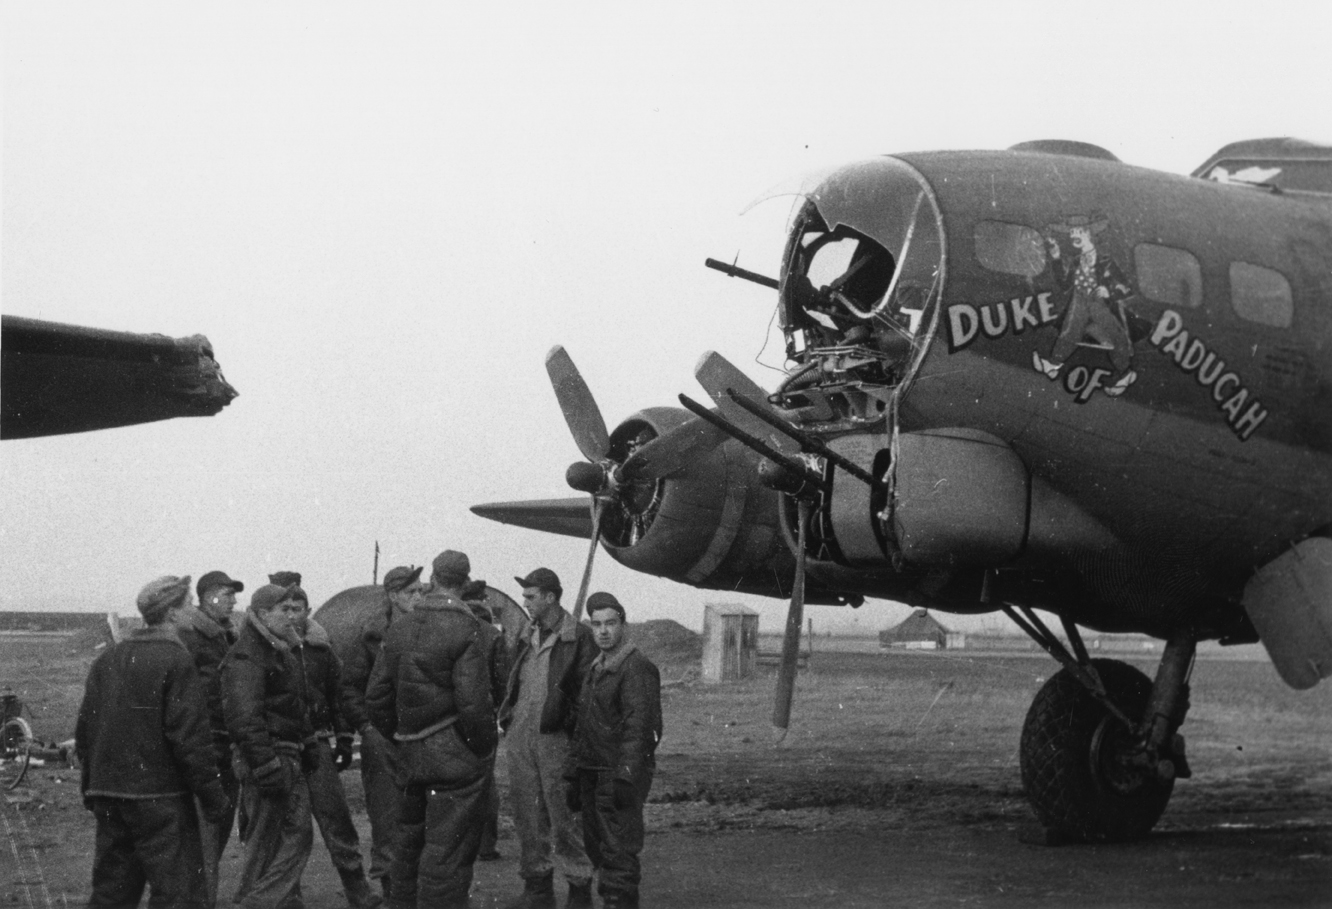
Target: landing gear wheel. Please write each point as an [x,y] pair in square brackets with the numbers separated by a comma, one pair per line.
[1076,759]
[15,742]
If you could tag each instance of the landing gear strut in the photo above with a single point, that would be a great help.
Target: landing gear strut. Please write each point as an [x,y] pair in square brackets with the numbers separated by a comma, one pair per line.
[1100,752]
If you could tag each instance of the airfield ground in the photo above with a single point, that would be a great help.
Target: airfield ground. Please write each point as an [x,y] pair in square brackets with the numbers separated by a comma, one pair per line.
[898,785]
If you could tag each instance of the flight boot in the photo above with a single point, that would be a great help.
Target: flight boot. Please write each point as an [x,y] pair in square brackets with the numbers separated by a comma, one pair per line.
[358,890]
[580,896]
[538,893]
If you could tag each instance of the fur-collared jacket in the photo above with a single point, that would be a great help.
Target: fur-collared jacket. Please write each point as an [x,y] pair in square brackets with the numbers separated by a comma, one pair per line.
[435,673]
[142,731]
[208,642]
[323,675]
[619,718]
[264,696]
[572,654]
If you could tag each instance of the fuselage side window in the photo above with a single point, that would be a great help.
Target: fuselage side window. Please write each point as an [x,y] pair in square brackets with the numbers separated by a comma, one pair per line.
[1168,275]
[1013,249]
[1260,295]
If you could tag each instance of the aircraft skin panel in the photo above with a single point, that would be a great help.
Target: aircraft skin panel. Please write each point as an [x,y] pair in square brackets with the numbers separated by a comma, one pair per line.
[66,378]
[1189,361]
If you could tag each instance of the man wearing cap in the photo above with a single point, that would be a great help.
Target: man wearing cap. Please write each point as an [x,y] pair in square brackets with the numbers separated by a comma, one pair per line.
[143,743]
[207,634]
[266,706]
[549,664]
[402,591]
[612,761]
[328,800]
[431,693]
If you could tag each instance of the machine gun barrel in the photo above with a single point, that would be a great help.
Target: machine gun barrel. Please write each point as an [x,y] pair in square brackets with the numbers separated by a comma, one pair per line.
[809,443]
[763,448]
[737,272]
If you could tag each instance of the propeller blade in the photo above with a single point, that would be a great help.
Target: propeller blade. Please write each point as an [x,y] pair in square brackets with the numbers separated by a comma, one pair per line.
[569,517]
[579,407]
[672,451]
[786,673]
[597,510]
[719,376]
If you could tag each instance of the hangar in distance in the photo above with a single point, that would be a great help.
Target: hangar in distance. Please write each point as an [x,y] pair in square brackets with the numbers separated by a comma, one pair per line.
[1037,378]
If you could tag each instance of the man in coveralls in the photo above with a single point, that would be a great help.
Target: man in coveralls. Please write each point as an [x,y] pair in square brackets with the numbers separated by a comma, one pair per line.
[549,664]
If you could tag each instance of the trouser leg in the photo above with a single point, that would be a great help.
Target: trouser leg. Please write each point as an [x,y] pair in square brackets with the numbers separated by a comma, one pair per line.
[171,852]
[328,804]
[214,836]
[118,878]
[453,819]
[529,808]
[382,799]
[490,819]
[1070,333]
[566,836]
[618,832]
[278,846]
[407,846]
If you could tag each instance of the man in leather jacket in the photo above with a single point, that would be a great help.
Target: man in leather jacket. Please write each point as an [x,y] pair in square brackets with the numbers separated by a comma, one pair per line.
[267,710]
[383,796]
[144,746]
[613,756]
[430,693]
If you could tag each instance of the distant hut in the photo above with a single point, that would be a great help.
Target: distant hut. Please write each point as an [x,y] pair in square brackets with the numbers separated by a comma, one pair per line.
[920,631]
[730,642]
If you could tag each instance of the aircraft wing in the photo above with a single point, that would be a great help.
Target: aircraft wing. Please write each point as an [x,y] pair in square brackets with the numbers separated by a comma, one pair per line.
[570,517]
[67,378]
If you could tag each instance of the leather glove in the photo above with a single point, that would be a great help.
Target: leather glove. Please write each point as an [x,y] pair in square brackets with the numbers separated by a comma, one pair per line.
[625,796]
[342,753]
[274,779]
[310,757]
[573,796]
[215,804]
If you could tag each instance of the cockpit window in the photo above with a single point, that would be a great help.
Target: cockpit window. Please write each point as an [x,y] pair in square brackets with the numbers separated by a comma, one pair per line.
[864,261]
[1013,249]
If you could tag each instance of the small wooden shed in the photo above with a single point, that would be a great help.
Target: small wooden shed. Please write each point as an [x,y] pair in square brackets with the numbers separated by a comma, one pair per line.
[730,642]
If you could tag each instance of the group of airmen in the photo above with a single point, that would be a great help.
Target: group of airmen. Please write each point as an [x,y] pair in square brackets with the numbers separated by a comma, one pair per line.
[203,721]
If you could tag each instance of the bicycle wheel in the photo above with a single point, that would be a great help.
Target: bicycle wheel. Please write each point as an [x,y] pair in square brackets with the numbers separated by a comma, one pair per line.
[15,751]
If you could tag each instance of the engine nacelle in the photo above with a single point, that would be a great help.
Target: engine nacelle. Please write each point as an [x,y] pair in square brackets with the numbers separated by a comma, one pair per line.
[710,525]
[954,498]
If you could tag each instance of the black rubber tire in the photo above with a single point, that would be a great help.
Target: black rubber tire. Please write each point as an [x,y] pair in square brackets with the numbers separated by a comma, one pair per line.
[1076,789]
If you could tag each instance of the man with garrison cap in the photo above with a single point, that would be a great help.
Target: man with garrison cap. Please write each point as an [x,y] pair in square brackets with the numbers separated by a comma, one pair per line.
[549,664]
[402,591]
[206,632]
[431,693]
[145,752]
[614,753]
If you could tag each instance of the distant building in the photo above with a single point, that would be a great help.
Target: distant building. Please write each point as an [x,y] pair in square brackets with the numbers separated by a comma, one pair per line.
[920,631]
[730,642]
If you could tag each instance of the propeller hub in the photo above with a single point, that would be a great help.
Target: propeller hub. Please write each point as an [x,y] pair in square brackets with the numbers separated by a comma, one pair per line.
[585,477]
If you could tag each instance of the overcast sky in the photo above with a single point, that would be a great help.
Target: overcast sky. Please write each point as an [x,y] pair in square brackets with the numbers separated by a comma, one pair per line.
[384,215]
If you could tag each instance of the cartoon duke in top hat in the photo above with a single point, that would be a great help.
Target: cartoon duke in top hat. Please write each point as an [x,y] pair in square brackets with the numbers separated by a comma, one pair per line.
[1097,290]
